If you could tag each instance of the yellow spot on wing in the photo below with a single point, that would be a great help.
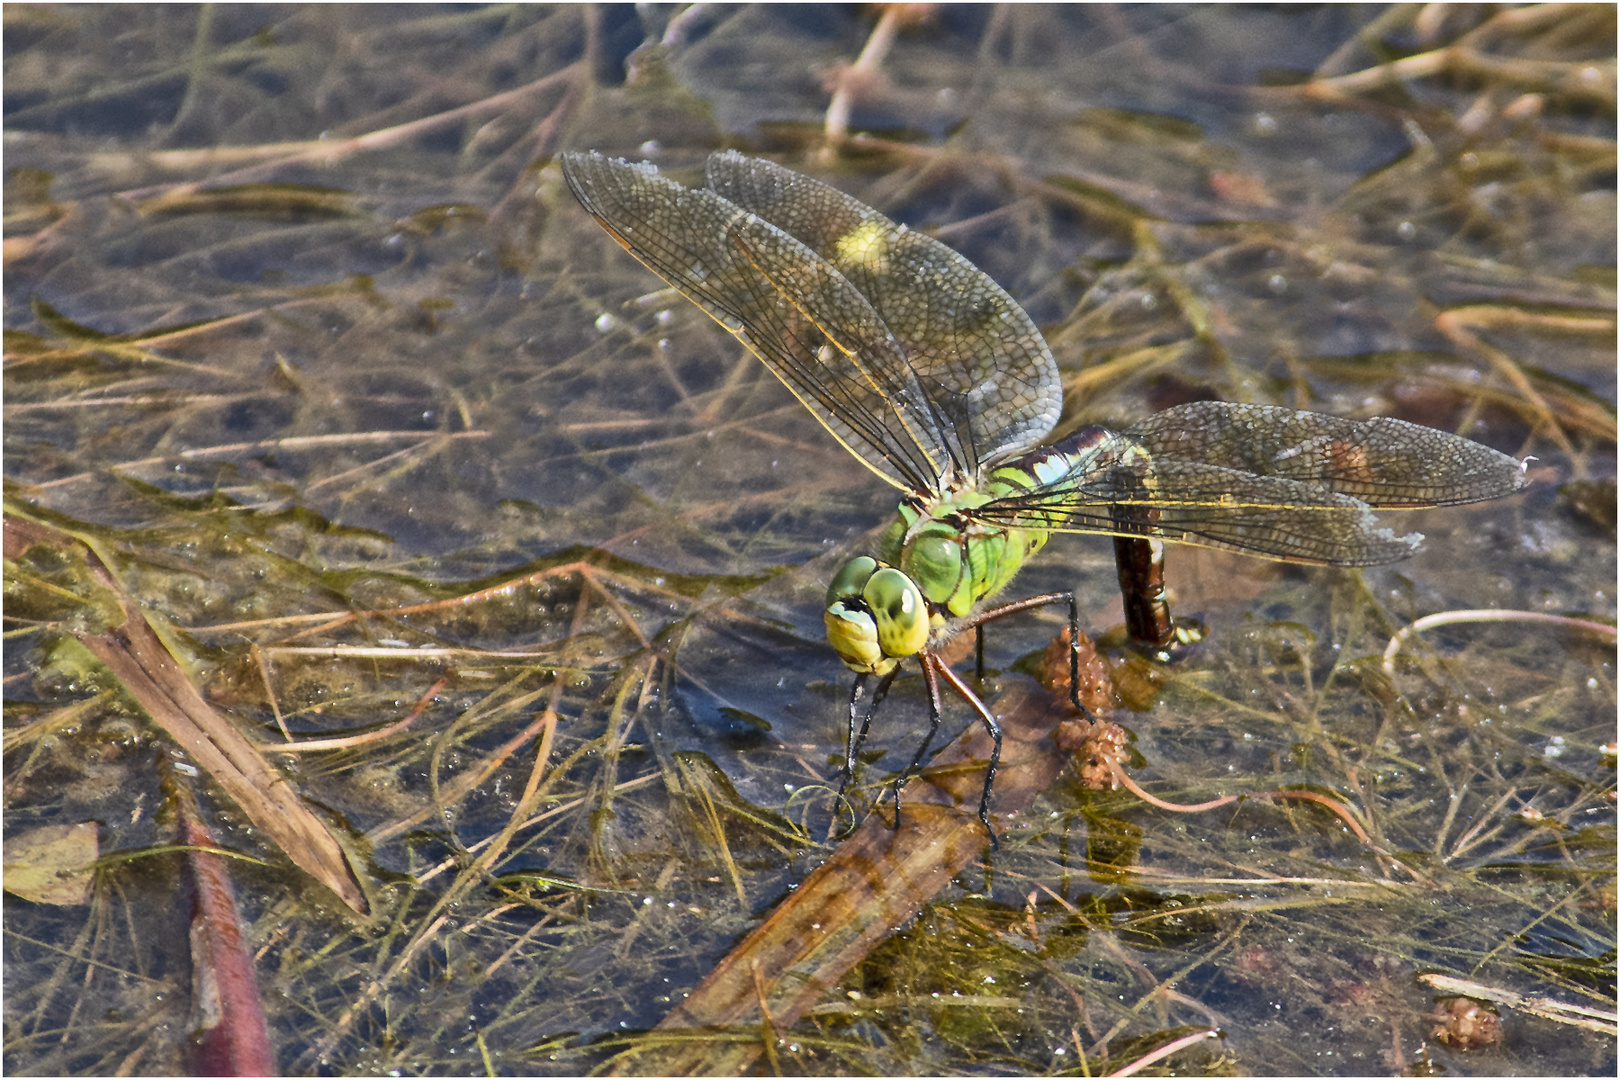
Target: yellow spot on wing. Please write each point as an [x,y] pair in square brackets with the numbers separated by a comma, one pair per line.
[866,245]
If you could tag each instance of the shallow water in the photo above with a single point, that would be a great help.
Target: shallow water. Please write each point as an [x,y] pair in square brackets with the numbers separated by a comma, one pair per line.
[297,364]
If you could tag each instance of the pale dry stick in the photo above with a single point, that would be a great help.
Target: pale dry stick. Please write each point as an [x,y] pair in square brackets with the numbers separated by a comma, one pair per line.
[1371,33]
[522,940]
[1429,21]
[1581,1016]
[348,742]
[1493,316]
[491,593]
[1169,878]
[1187,1001]
[471,778]
[297,442]
[329,622]
[277,620]
[327,152]
[263,665]
[1519,21]
[376,652]
[675,33]
[1165,1051]
[1447,618]
[433,444]
[1453,804]
[141,401]
[595,574]
[1462,59]
[864,69]
[134,346]
[1473,838]
[1458,325]
[130,351]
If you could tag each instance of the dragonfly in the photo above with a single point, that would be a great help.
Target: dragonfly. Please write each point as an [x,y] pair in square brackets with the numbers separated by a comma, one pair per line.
[938,381]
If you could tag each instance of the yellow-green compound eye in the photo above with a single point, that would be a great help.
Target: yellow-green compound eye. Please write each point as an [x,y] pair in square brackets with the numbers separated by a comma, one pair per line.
[851,579]
[898,609]
[851,630]
[853,636]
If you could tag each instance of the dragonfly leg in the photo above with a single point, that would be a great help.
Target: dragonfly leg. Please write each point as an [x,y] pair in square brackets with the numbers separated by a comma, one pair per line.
[1074,660]
[927,660]
[852,746]
[995,752]
[978,653]
[978,621]
[854,711]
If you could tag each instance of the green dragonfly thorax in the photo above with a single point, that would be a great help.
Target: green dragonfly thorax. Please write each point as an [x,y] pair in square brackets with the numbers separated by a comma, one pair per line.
[939,561]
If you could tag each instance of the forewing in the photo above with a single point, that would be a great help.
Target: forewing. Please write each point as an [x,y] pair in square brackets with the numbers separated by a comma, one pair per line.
[838,310]
[983,365]
[680,234]
[1385,463]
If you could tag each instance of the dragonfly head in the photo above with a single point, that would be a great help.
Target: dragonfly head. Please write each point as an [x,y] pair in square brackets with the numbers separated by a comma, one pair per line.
[876,616]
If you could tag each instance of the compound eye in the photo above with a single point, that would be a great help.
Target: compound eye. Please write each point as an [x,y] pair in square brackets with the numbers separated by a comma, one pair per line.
[851,580]
[899,612]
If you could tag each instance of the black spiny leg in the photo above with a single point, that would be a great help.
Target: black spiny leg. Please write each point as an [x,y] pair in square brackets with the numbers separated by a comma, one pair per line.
[978,653]
[978,621]
[1074,660]
[849,740]
[926,659]
[995,753]
[852,745]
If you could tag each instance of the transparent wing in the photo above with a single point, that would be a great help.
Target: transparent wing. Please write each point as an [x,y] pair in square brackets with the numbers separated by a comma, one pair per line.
[1264,481]
[987,372]
[1386,463]
[681,234]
